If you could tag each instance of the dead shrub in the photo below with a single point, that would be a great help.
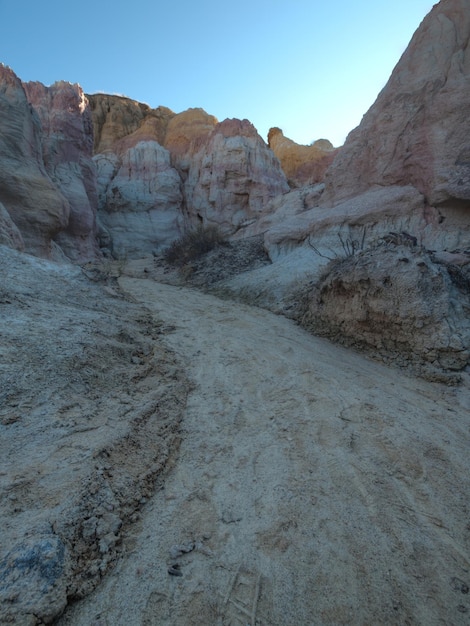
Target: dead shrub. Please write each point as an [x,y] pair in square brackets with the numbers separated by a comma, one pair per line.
[193,244]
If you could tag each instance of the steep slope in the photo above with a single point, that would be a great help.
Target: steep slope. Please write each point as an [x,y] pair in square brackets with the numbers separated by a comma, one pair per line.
[160,172]
[116,117]
[67,151]
[34,204]
[185,134]
[418,130]
[140,198]
[232,177]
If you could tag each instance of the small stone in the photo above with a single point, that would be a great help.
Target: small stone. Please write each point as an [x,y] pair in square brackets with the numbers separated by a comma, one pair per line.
[107,543]
[182,548]
[34,573]
[174,570]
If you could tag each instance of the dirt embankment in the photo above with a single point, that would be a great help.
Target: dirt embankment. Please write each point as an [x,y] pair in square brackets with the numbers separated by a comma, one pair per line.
[91,405]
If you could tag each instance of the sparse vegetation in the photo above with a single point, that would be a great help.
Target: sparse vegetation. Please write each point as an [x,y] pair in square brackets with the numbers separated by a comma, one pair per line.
[349,245]
[193,244]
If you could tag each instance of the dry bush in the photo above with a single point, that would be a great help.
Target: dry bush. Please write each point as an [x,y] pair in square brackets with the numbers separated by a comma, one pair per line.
[193,244]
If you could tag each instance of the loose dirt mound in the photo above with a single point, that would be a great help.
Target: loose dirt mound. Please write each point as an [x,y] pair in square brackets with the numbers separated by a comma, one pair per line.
[397,303]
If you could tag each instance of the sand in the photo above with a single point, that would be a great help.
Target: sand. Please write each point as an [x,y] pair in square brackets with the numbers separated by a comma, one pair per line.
[312,485]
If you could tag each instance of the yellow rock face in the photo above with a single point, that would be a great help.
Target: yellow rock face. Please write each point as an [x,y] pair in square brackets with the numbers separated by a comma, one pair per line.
[116,118]
[187,130]
[121,123]
[301,164]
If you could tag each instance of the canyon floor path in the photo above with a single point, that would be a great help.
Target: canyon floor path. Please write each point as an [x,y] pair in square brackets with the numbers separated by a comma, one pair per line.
[312,485]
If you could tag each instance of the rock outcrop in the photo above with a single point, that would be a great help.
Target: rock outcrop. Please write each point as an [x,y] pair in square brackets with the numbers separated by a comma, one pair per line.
[34,203]
[139,199]
[418,130]
[185,135]
[67,150]
[403,173]
[152,171]
[116,117]
[232,177]
[9,234]
[301,238]
[369,216]
[303,165]
[417,133]
[158,170]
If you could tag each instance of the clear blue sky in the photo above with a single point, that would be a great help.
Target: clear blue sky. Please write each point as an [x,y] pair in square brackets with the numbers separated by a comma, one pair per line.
[310,67]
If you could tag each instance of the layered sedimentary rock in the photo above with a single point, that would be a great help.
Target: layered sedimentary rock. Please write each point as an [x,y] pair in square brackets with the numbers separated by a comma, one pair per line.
[67,150]
[418,130]
[153,174]
[283,208]
[185,134]
[116,117]
[396,300]
[303,165]
[33,202]
[417,133]
[402,176]
[370,215]
[157,169]
[232,177]
[139,191]
[139,199]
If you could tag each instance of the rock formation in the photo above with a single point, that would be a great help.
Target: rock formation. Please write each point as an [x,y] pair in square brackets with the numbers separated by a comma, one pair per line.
[403,172]
[9,234]
[232,177]
[48,184]
[140,199]
[67,150]
[374,213]
[139,191]
[152,171]
[185,134]
[117,117]
[224,173]
[417,132]
[303,165]
[33,202]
